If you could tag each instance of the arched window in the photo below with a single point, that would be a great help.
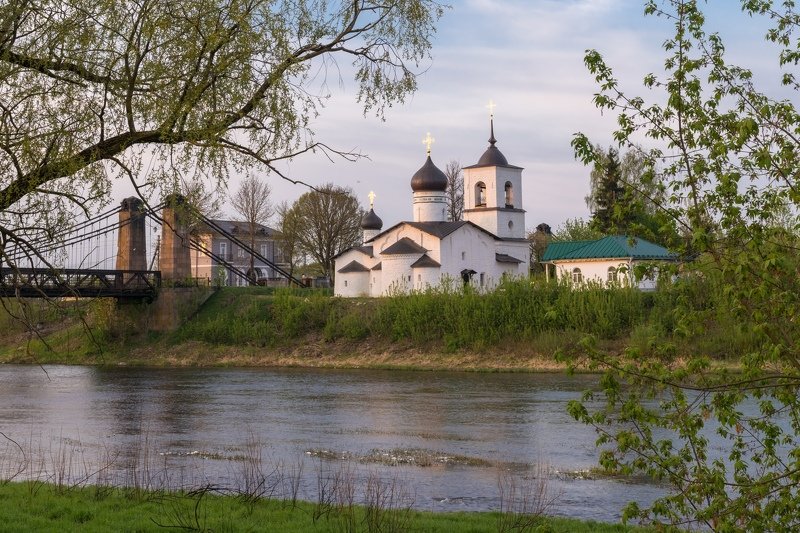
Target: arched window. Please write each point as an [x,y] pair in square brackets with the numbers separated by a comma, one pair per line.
[612,275]
[577,276]
[480,194]
[509,194]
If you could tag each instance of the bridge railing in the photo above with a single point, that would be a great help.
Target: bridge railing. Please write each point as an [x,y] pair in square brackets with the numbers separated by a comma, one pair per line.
[38,282]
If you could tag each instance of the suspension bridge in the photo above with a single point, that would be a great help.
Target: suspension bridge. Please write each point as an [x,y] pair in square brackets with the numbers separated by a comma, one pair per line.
[126,253]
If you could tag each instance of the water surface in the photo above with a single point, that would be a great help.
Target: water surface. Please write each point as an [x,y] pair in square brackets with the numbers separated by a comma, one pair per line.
[201,420]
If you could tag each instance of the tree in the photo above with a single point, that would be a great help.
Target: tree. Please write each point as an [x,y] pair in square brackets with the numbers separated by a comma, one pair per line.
[99,90]
[625,199]
[728,155]
[328,221]
[607,191]
[575,229]
[252,203]
[455,191]
[539,239]
[289,224]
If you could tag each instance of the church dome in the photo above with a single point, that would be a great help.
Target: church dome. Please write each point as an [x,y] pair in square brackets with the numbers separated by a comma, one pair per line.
[429,178]
[492,157]
[371,221]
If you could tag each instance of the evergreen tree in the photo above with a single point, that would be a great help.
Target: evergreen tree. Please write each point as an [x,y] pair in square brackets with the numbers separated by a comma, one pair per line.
[607,192]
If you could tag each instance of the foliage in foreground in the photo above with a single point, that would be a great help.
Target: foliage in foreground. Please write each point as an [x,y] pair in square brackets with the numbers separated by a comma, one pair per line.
[727,154]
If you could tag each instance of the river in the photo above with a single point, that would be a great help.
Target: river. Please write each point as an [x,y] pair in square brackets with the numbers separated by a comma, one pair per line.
[443,435]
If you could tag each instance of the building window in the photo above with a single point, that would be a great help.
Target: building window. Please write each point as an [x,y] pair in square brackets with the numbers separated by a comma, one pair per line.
[510,224]
[483,278]
[577,276]
[480,194]
[419,277]
[463,256]
[345,283]
[223,250]
[264,250]
[509,194]
[612,275]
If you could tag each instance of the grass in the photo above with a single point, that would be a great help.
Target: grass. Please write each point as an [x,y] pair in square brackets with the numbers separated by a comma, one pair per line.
[27,506]
[520,326]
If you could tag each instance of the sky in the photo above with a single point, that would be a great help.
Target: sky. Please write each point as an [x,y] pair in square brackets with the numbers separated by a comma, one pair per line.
[527,57]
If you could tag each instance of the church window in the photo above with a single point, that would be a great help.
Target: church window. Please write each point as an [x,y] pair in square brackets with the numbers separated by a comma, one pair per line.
[345,283]
[480,194]
[510,224]
[577,276]
[509,194]
[419,277]
[483,278]
[612,274]
[223,250]
[463,256]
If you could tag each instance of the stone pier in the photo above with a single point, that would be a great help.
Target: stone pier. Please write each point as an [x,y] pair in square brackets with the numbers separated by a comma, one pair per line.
[131,237]
[174,259]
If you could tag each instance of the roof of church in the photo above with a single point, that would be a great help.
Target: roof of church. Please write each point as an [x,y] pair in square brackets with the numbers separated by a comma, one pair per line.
[611,247]
[364,249]
[492,157]
[439,229]
[371,221]
[505,258]
[404,246]
[353,266]
[379,266]
[429,178]
[425,262]
[442,229]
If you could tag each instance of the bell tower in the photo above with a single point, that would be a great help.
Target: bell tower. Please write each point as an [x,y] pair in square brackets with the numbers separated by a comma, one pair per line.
[493,192]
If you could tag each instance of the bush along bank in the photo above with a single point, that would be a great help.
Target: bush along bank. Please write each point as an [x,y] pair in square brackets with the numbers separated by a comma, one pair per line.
[520,317]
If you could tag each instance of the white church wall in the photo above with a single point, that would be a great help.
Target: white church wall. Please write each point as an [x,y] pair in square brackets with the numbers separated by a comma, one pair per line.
[430,206]
[425,278]
[375,284]
[396,273]
[470,248]
[352,284]
[518,250]
[596,270]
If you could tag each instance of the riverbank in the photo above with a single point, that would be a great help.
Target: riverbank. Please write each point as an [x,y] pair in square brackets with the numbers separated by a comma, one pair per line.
[34,506]
[521,327]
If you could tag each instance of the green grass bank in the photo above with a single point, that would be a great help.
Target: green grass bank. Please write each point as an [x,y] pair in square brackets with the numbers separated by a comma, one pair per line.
[28,506]
[521,326]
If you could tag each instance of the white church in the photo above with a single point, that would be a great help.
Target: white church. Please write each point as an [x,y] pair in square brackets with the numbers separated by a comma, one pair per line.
[414,255]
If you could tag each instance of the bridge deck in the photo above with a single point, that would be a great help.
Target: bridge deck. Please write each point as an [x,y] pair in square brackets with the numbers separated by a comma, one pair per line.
[82,283]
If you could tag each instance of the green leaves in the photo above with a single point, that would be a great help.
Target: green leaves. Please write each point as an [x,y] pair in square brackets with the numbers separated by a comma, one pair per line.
[727,153]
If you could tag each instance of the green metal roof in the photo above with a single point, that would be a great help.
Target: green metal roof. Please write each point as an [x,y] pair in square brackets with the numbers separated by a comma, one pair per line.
[611,247]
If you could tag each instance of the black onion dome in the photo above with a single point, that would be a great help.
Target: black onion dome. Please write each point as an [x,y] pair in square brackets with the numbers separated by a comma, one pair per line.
[492,157]
[429,178]
[371,221]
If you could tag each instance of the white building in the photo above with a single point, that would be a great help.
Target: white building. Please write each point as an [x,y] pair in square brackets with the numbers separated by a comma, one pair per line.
[430,250]
[610,260]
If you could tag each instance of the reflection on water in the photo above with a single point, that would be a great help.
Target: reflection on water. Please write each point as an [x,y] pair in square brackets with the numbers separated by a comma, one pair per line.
[201,418]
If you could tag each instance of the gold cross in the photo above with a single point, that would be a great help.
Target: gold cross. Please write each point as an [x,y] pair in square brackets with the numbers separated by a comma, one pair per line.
[429,141]
[371,197]
[491,107]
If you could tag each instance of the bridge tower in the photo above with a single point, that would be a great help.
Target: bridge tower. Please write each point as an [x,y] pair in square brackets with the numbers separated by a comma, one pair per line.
[174,259]
[131,243]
